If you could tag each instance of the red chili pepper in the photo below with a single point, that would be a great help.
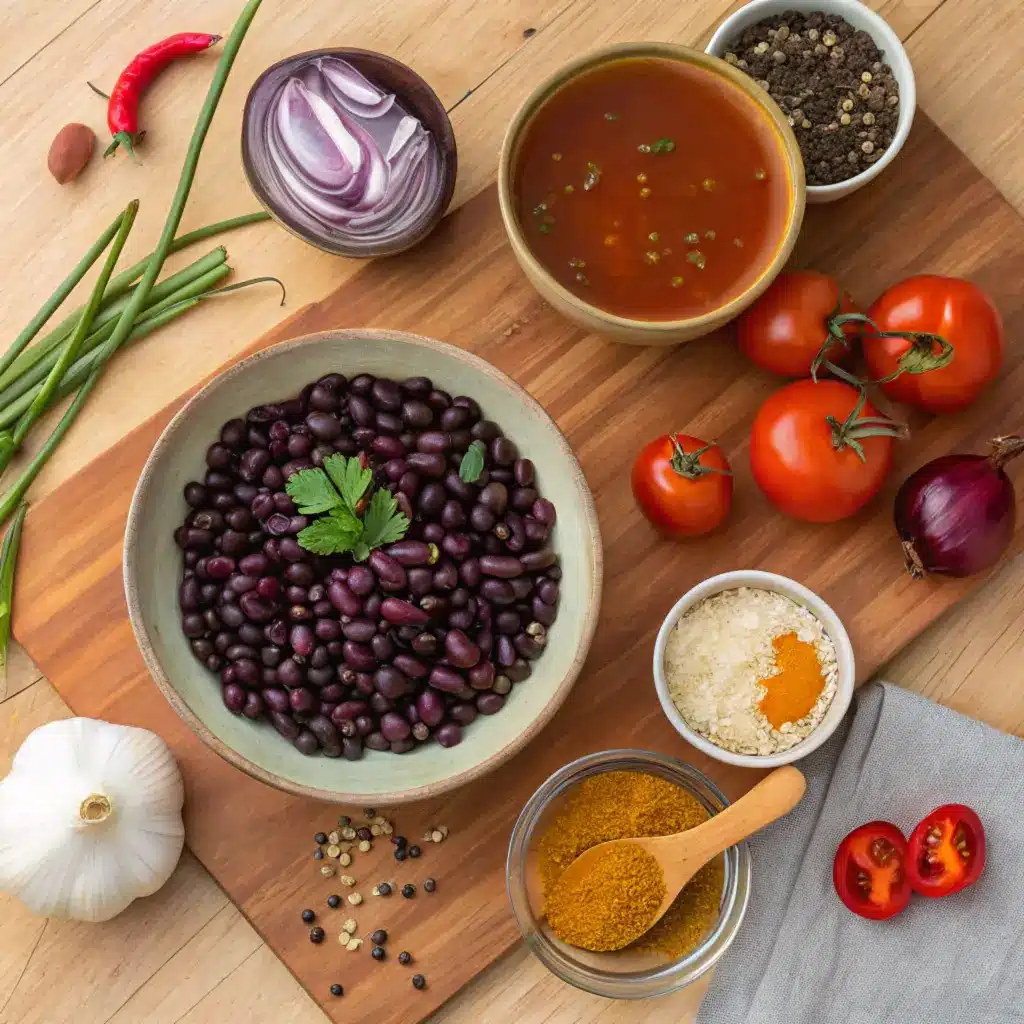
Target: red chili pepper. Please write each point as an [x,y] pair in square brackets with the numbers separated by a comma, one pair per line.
[123,107]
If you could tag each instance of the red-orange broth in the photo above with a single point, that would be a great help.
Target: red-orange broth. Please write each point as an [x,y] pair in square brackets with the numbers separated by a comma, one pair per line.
[653,189]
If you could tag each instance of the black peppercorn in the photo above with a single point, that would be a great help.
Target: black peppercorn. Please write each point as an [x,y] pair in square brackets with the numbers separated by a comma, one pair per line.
[414,851]
[418,981]
[318,854]
[399,841]
[320,837]
[384,889]
[405,958]
[379,937]
[401,854]
[337,990]
[408,890]
[308,916]
[364,833]
[344,821]
[379,953]
[429,885]
[334,902]
[369,812]
[316,935]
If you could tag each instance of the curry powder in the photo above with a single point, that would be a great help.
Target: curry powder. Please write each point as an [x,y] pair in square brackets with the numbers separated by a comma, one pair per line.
[627,805]
[793,691]
[612,904]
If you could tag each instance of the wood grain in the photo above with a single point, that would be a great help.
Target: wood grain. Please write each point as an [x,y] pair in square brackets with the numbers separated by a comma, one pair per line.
[604,397]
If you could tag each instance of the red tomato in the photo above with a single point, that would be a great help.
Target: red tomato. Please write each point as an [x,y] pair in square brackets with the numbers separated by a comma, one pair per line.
[957,311]
[784,330]
[869,871]
[801,461]
[947,851]
[682,485]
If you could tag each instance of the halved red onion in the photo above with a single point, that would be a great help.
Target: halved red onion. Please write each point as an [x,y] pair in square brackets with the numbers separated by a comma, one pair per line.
[346,157]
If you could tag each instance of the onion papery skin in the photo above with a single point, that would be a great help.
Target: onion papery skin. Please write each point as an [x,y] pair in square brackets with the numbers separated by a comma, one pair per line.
[955,516]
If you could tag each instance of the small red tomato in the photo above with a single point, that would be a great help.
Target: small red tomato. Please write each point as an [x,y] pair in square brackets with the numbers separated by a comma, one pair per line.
[947,851]
[869,871]
[951,308]
[785,329]
[682,485]
[809,464]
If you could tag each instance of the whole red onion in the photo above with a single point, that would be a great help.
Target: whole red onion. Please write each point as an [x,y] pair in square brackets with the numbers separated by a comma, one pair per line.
[956,514]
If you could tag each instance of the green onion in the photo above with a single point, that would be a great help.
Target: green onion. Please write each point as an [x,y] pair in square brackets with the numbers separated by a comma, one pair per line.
[10,367]
[70,351]
[125,324]
[8,560]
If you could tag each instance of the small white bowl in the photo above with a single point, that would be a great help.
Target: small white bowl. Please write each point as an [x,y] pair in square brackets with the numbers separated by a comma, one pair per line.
[859,17]
[802,596]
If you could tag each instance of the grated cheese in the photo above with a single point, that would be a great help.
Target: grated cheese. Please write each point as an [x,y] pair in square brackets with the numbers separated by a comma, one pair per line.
[720,650]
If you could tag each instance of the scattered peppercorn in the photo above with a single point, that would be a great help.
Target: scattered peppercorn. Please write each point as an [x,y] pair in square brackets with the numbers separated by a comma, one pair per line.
[337,990]
[308,916]
[400,841]
[369,812]
[384,889]
[318,854]
[825,75]
[401,854]
[405,958]
[320,837]
[364,834]
[408,890]
[418,981]
[379,953]
[429,885]
[316,935]
[379,937]
[344,821]
[333,902]
[414,851]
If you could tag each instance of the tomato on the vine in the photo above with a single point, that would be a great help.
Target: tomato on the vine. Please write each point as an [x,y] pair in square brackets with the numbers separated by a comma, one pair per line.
[786,327]
[820,451]
[935,307]
[947,851]
[870,871]
[682,485]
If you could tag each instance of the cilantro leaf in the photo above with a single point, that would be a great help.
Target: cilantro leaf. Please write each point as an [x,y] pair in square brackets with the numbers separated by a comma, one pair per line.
[312,492]
[332,534]
[663,146]
[383,523]
[349,476]
[472,464]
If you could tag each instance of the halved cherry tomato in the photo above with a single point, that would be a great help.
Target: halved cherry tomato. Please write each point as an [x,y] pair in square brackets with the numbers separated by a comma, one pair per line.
[947,851]
[785,329]
[682,485]
[869,871]
[955,310]
[806,463]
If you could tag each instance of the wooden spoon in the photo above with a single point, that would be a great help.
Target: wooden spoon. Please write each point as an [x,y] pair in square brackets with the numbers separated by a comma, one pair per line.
[682,855]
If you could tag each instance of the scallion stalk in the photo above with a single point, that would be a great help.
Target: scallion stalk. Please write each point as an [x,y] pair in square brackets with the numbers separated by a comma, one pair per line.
[8,560]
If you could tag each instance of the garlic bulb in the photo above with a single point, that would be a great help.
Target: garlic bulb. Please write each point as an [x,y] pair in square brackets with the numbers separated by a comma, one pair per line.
[90,819]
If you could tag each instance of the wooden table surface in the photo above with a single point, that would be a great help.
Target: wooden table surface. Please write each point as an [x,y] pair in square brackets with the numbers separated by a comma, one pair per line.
[187,955]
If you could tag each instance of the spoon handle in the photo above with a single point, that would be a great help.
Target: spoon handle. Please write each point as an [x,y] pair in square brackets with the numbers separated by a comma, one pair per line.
[775,795]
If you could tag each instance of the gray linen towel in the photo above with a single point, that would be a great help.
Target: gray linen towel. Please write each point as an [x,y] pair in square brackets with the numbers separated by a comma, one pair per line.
[802,958]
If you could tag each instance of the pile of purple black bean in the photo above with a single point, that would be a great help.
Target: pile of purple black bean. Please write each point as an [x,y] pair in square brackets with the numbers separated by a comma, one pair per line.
[319,645]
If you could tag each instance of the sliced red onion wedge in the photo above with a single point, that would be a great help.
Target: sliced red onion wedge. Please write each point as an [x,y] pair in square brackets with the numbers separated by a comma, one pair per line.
[345,157]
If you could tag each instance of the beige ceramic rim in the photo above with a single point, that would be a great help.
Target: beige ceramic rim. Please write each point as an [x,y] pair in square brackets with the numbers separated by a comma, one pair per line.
[589,520]
[689,55]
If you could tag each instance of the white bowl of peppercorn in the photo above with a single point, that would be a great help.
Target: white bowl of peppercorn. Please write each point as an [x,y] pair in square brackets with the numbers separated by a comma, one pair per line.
[840,75]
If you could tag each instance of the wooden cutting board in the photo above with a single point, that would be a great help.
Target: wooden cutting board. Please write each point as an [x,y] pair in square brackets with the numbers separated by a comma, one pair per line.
[932,211]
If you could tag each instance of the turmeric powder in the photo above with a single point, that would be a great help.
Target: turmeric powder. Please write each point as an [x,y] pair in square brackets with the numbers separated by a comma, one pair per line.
[612,904]
[793,691]
[628,805]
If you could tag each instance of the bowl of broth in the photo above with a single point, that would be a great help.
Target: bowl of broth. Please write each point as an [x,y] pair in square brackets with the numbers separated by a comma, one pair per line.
[650,192]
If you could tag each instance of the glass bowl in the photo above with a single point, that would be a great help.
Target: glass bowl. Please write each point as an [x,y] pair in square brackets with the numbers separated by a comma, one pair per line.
[625,974]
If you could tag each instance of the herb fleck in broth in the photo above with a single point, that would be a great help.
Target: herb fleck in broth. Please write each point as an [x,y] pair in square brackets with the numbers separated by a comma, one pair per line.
[676,128]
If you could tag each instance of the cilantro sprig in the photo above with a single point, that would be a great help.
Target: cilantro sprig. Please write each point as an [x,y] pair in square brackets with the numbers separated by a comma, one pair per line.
[347,522]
